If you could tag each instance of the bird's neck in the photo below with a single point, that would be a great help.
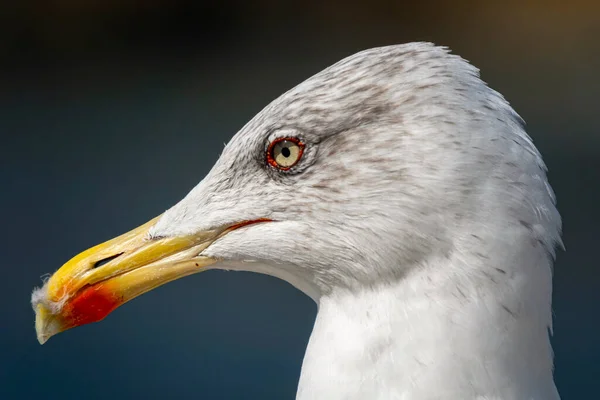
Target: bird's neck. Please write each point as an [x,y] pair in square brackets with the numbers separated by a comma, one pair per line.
[433,334]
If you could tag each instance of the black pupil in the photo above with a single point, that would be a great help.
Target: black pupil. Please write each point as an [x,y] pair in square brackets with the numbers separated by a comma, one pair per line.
[285,151]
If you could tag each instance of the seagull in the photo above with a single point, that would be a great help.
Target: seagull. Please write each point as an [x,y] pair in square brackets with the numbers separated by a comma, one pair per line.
[400,193]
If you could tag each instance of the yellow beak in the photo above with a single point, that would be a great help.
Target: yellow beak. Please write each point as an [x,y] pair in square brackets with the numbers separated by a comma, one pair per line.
[92,284]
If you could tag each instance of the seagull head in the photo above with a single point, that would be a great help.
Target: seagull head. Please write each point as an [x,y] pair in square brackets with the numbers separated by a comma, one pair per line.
[364,172]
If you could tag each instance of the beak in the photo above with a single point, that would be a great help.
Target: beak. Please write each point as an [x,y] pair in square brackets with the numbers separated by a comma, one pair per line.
[94,283]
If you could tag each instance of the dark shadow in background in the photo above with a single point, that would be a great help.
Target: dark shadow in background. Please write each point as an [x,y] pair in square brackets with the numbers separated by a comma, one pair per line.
[111,112]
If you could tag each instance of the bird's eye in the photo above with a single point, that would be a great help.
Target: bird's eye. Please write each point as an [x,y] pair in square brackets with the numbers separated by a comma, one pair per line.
[284,153]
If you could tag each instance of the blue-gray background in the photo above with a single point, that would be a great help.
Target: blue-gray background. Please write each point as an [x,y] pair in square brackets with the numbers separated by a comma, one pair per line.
[111,111]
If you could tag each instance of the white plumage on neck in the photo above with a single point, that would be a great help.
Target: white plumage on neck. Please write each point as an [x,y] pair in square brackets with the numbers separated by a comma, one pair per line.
[431,336]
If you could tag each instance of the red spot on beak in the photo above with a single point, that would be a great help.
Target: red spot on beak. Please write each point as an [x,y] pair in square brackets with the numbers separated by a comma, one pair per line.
[92,304]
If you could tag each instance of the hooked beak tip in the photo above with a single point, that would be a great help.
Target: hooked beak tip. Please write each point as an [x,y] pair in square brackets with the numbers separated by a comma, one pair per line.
[46,324]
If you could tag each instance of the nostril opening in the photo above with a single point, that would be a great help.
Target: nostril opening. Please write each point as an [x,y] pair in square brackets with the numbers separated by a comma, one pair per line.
[105,260]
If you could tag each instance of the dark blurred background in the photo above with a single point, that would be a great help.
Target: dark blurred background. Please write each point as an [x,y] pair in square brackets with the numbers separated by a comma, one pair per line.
[110,111]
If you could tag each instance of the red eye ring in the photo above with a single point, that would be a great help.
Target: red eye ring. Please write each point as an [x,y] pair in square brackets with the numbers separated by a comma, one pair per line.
[271,159]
